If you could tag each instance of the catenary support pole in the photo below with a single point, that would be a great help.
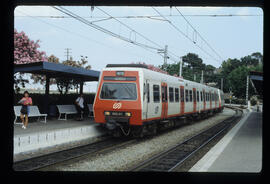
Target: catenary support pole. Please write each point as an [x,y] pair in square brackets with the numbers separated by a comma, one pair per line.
[247,90]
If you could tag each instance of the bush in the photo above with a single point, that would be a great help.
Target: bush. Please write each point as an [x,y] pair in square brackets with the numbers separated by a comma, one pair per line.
[253,100]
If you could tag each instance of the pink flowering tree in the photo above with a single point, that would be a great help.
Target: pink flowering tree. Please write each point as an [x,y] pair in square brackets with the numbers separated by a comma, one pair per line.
[25,51]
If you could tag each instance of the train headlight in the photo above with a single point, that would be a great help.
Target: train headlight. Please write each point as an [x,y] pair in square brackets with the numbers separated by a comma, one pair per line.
[107,113]
[127,114]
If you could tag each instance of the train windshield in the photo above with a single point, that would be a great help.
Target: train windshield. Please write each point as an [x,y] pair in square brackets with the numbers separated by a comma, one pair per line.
[119,91]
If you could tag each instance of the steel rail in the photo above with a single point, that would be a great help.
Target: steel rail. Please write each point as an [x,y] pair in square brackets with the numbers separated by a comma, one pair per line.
[160,158]
[66,155]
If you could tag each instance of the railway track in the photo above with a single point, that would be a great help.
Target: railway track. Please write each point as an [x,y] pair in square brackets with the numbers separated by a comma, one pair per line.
[66,155]
[52,159]
[173,158]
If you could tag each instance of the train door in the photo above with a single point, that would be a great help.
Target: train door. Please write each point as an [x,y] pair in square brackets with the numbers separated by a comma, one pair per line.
[182,103]
[194,100]
[210,98]
[204,102]
[146,98]
[164,96]
[219,100]
[215,98]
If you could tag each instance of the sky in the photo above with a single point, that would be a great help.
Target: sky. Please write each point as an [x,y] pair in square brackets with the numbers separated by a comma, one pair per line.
[228,36]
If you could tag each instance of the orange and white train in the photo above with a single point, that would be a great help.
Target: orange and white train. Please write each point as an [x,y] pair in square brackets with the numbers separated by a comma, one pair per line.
[132,99]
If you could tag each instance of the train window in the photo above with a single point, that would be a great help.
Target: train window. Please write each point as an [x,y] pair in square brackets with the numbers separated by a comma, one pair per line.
[194,95]
[143,91]
[119,91]
[201,96]
[171,94]
[156,94]
[187,96]
[190,95]
[176,94]
[182,94]
[198,97]
[148,93]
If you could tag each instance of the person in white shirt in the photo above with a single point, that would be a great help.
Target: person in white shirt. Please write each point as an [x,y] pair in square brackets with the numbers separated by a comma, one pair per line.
[80,106]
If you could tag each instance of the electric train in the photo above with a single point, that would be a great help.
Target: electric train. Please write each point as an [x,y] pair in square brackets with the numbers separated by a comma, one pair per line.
[134,100]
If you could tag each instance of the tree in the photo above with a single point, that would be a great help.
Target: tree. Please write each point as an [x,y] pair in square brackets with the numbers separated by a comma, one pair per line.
[192,66]
[229,72]
[25,51]
[237,80]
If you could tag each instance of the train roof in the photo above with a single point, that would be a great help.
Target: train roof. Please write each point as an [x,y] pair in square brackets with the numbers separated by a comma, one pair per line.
[126,65]
[145,68]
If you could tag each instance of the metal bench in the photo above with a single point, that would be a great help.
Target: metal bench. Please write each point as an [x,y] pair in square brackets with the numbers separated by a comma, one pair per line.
[90,108]
[66,109]
[34,112]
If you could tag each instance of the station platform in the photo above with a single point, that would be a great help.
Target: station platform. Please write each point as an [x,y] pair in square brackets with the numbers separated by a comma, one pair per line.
[240,150]
[55,135]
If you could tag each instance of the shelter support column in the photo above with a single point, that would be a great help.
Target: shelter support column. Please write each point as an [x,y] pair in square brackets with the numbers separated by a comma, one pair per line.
[81,87]
[47,91]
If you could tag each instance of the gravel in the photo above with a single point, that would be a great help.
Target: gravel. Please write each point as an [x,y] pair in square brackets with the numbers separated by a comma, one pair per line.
[124,158]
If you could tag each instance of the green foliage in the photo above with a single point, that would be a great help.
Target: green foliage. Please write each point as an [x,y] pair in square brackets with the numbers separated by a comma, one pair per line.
[233,71]
[253,100]
[192,68]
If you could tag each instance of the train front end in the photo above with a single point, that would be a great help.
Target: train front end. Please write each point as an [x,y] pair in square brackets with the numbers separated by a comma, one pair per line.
[117,104]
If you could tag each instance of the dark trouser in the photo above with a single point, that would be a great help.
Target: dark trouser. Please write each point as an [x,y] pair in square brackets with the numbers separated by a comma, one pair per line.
[80,111]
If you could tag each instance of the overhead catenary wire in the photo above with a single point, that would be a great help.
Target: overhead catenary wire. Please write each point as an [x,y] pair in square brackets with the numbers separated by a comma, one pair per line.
[74,33]
[199,34]
[110,16]
[185,35]
[77,17]
[152,16]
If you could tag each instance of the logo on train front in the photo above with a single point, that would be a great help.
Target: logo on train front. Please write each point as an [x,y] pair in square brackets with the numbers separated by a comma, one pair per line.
[117,105]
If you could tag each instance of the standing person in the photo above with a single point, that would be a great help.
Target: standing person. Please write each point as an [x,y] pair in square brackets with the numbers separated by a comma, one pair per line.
[26,101]
[80,106]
